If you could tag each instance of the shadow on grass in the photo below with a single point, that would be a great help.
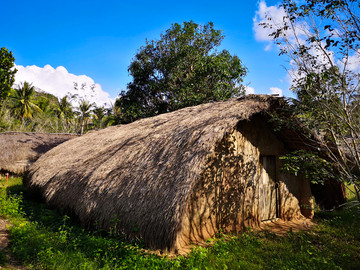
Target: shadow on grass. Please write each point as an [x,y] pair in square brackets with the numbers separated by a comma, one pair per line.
[47,239]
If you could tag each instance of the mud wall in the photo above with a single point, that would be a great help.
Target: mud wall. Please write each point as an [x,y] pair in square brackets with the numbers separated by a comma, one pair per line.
[226,197]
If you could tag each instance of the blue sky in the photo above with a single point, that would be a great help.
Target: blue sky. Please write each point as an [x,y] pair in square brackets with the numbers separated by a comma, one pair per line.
[98,39]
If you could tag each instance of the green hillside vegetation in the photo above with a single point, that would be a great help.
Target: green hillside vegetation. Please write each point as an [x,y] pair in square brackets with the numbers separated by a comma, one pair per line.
[28,109]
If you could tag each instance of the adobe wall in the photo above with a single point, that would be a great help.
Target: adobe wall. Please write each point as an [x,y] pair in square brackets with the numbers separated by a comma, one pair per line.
[295,196]
[226,198]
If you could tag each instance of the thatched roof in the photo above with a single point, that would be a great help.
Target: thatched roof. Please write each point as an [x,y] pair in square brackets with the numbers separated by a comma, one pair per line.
[139,176]
[19,150]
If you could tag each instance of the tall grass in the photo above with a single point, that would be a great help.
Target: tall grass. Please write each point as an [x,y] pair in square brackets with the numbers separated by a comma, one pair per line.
[44,239]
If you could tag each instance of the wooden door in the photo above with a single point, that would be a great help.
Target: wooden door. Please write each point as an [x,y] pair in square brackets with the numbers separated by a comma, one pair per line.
[268,188]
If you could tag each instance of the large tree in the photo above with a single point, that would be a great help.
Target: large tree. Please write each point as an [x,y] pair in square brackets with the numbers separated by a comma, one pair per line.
[183,68]
[322,39]
[7,73]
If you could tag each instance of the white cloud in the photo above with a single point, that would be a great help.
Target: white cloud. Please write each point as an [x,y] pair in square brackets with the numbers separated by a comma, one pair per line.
[249,90]
[353,62]
[317,57]
[276,91]
[273,16]
[60,82]
[268,47]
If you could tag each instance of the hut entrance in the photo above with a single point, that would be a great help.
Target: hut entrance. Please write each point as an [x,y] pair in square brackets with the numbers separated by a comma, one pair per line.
[268,189]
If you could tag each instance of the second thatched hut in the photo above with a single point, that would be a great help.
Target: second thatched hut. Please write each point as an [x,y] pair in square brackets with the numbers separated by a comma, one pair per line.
[18,150]
[179,177]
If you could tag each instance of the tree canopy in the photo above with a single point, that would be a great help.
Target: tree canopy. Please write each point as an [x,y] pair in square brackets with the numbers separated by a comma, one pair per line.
[29,109]
[23,101]
[183,68]
[7,73]
[322,40]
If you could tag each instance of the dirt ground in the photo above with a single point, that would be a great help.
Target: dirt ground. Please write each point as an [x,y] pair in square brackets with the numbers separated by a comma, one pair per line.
[4,242]
[281,227]
[4,235]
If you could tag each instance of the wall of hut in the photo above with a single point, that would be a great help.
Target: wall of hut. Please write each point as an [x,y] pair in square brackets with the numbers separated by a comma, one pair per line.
[233,193]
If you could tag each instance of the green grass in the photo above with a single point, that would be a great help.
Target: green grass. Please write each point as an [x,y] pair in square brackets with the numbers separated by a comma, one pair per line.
[44,239]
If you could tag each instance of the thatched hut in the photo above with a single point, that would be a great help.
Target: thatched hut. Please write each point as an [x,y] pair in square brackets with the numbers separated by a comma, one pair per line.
[179,177]
[18,150]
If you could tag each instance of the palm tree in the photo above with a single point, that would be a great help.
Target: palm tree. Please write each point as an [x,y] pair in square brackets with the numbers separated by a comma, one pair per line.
[98,117]
[23,105]
[112,115]
[85,112]
[65,113]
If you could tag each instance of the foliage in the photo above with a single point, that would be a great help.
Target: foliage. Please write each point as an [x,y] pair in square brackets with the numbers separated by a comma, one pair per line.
[23,101]
[65,114]
[309,164]
[84,111]
[322,40]
[7,73]
[44,239]
[6,119]
[181,69]
[28,109]
[99,116]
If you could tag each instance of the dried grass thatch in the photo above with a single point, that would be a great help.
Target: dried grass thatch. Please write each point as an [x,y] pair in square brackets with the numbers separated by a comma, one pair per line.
[139,176]
[19,150]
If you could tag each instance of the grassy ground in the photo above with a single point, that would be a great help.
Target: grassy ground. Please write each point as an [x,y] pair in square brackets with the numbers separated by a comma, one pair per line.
[44,239]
